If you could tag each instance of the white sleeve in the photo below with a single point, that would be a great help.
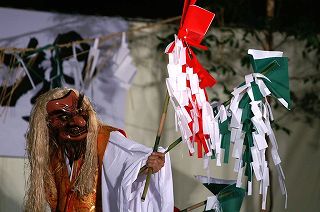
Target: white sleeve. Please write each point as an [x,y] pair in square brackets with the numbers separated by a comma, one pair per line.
[121,186]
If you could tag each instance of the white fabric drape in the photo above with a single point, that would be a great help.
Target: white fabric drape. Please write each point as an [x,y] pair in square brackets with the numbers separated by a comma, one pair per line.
[122,187]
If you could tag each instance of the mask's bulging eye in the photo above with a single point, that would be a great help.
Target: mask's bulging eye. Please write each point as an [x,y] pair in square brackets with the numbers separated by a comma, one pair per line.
[64,117]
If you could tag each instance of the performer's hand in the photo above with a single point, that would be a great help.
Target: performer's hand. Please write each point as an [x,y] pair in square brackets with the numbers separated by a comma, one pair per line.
[155,161]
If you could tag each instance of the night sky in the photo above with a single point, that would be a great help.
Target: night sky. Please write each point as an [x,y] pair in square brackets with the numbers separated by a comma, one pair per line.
[289,14]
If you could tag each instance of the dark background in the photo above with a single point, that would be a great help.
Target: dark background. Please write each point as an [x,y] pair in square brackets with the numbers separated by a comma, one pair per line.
[290,15]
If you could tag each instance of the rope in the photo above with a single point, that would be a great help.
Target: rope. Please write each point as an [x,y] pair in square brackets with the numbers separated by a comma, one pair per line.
[87,40]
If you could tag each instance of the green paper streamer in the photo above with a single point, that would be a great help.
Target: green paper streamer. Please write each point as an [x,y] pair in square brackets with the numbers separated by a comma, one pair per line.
[225,140]
[223,127]
[279,76]
[244,101]
[225,144]
[229,196]
[256,92]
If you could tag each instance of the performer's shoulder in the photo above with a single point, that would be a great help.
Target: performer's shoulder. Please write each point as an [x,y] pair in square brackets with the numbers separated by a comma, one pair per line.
[107,129]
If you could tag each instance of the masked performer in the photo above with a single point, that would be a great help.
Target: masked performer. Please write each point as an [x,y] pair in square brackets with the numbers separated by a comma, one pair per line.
[79,164]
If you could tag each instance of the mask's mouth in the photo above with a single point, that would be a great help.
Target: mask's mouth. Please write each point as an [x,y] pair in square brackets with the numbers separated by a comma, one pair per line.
[76,131]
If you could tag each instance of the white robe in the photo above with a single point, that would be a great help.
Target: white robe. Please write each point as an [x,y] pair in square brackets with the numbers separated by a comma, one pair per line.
[122,187]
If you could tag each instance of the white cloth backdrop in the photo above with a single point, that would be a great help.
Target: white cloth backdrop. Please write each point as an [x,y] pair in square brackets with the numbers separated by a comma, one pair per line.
[105,90]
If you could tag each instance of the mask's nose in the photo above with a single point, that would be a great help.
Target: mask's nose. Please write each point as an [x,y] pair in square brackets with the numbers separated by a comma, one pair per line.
[78,120]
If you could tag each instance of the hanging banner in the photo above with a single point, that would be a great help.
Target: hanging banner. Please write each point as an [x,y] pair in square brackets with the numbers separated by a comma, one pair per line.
[88,67]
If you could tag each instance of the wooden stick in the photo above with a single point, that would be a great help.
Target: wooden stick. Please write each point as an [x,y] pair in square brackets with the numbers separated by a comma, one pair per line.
[265,71]
[192,207]
[175,143]
[156,143]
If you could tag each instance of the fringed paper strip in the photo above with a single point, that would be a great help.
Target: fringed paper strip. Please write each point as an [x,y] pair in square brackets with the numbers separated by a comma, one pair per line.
[122,65]
[187,82]
[91,62]
[249,122]
[226,196]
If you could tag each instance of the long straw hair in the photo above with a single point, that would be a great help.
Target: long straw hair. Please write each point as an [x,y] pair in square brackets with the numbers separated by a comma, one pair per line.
[39,149]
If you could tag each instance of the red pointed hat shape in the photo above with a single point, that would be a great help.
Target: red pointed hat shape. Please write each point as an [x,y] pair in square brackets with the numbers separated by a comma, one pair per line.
[195,22]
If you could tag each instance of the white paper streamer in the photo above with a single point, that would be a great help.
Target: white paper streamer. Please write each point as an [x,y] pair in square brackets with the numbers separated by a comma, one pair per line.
[181,96]
[92,61]
[213,203]
[25,70]
[262,116]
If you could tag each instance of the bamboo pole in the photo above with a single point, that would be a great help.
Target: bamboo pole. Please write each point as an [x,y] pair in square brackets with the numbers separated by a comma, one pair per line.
[269,40]
[195,206]
[175,143]
[156,143]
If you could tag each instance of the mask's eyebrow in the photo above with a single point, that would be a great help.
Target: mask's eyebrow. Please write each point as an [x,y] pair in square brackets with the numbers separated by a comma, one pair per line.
[80,100]
[58,112]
